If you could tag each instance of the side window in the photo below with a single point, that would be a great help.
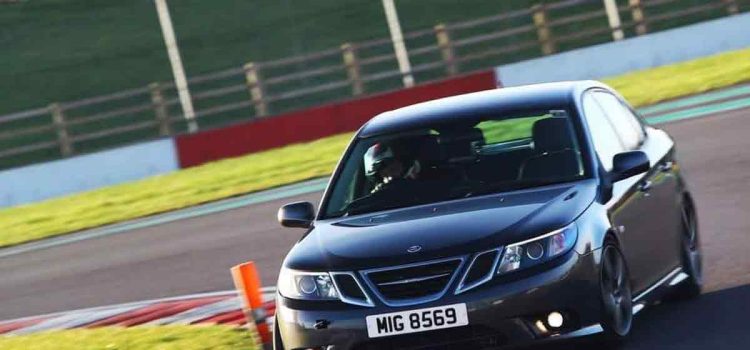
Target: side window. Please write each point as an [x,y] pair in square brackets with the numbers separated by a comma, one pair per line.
[603,135]
[626,124]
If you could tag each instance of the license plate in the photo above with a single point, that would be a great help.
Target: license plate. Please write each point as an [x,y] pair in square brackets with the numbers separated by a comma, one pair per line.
[420,320]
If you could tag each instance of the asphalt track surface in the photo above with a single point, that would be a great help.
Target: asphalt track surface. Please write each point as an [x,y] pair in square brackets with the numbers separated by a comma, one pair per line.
[194,255]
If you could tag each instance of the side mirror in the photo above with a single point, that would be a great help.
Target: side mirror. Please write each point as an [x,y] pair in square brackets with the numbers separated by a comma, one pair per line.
[298,214]
[627,164]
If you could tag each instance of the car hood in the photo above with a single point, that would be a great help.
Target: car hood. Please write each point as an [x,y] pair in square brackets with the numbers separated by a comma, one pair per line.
[442,229]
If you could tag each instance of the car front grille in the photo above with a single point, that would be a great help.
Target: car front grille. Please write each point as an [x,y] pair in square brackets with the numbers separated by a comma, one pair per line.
[350,291]
[480,270]
[413,284]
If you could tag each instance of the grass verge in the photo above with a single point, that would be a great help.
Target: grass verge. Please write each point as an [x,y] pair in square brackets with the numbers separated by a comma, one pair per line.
[298,162]
[650,86]
[136,338]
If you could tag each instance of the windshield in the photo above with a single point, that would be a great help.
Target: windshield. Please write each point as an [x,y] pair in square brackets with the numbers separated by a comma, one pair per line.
[456,160]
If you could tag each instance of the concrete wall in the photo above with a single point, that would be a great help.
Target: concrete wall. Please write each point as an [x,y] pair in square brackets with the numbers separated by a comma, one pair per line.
[46,180]
[605,60]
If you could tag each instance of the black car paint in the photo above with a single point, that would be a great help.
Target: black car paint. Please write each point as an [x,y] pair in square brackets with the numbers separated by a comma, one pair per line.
[381,239]
[657,194]
[641,213]
[628,202]
[507,304]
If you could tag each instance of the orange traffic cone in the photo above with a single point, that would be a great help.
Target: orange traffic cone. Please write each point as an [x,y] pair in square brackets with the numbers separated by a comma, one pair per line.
[247,282]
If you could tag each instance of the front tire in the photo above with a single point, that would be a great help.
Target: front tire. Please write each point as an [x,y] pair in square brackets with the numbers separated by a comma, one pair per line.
[277,343]
[692,262]
[616,294]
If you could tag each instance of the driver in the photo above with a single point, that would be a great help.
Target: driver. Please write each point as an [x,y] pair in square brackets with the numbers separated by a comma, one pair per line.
[385,166]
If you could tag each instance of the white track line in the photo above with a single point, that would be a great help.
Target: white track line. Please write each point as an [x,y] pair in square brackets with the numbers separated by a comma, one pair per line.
[176,215]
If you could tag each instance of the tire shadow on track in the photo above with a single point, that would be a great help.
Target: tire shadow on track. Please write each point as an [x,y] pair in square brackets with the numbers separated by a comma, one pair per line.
[717,320]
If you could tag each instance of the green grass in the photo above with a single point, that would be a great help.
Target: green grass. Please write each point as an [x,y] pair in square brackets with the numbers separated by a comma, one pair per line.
[654,85]
[104,46]
[294,163]
[507,130]
[136,338]
[56,50]
[171,191]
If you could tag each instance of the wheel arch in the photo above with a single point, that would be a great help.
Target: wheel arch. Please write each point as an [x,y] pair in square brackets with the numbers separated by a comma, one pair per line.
[594,227]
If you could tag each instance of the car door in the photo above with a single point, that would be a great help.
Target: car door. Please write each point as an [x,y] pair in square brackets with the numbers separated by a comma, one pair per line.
[658,242]
[627,206]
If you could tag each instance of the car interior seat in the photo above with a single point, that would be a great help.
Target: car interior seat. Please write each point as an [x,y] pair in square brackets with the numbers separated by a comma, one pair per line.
[555,154]
[459,146]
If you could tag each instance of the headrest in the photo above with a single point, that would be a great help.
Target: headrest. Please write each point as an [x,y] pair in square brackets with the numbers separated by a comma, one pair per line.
[552,134]
[458,144]
[460,136]
[429,151]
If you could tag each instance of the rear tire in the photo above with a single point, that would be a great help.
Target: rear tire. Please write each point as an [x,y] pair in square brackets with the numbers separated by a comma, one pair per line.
[616,294]
[692,263]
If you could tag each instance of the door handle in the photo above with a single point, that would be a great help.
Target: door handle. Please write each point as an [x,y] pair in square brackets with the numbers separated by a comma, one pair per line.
[645,186]
[666,167]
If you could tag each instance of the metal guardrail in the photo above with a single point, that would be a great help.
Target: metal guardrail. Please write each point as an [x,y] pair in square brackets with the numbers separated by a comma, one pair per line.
[259,89]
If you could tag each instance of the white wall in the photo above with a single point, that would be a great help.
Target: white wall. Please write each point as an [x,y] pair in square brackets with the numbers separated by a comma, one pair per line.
[614,58]
[46,180]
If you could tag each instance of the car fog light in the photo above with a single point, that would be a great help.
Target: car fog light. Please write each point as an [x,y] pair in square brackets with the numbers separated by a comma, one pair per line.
[555,319]
[541,327]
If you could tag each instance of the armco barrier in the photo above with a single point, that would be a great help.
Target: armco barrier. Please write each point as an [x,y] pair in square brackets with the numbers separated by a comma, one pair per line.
[619,57]
[86,172]
[315,123]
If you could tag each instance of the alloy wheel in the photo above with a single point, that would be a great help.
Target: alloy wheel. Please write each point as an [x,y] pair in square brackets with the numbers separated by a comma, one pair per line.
[616,293]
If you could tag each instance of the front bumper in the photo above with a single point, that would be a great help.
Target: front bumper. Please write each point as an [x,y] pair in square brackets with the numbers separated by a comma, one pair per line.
[501,312]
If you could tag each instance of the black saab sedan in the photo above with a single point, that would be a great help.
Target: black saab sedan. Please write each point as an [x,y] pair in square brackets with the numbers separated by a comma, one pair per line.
[496,218]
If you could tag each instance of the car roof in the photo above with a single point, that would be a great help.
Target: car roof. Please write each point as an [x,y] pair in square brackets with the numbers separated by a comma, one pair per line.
[477,104]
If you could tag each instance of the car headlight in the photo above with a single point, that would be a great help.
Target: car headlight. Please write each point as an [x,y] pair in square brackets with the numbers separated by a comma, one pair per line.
[537,250]
[307,285]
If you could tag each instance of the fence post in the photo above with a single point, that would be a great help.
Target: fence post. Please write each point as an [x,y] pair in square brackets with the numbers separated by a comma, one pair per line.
[58,118]
[257,95]
[160,109]
[613,17]
[732,8]
[446,49]
[542,29]
[636,9]
[352,68]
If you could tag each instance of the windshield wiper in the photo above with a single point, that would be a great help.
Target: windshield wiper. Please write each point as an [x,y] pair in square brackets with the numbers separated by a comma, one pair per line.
[505,186]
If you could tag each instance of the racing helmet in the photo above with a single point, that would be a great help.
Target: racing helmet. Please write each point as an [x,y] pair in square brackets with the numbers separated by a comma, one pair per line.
[377,157]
